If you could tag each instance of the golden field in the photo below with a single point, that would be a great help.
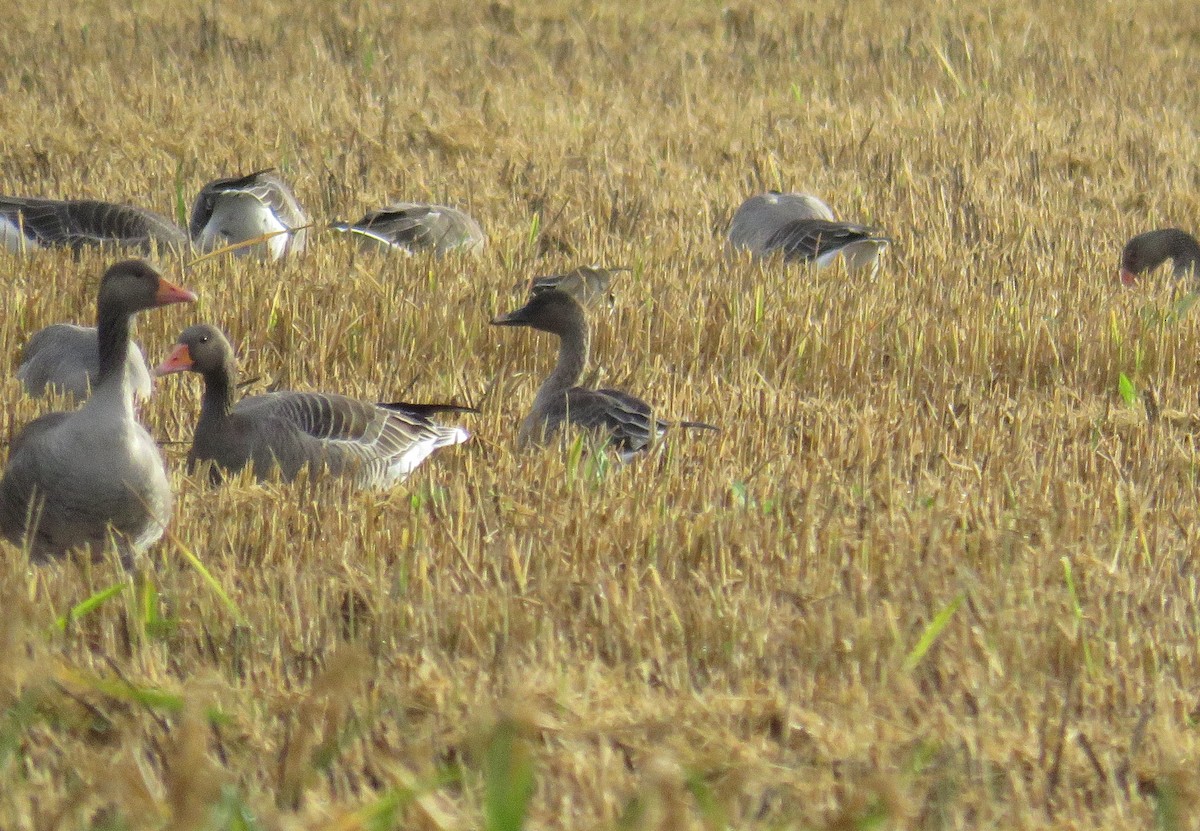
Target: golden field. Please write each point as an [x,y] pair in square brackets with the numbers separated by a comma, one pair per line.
[935,572]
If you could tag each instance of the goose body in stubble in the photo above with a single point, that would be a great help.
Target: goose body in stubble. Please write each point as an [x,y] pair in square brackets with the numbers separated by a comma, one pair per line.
[75,477]
[284,433]
[801,228]
[623,420]
[1146,252]
[413,227]
[28,223]
[243,208]
[64,358]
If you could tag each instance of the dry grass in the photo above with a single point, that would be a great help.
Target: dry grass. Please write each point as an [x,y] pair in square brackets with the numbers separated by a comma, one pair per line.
[935,572]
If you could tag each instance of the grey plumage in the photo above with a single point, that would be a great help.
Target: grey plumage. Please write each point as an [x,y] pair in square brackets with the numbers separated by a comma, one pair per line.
[415,227]
[283,433]
[75,478]
[65,358]
[588,284]
[801,228]
[1147,251]
[29,222]
[242,208]
[623,420]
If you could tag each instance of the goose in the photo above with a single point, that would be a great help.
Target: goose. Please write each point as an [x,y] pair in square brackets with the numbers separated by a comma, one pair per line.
[625,421]
[241,208]
[588,284]
[64,357]
[28,223]
[1148,251]
[377,445]
[75,477]
[416,226]
[803,229]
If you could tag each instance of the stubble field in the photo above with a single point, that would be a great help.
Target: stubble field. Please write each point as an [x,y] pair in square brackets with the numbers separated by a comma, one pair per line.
[935,572]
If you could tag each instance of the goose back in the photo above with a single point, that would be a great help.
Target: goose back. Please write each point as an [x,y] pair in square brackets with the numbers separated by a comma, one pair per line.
[241,208]
[29,223]
[417,226]
[65,358]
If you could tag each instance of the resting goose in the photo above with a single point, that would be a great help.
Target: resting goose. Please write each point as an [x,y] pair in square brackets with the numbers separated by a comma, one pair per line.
[413,227]
[624,420]
[1148,251]
[29,223]
[65,358]
[803,229]
[588,284]
[241,208]
[74,477]
[377,445]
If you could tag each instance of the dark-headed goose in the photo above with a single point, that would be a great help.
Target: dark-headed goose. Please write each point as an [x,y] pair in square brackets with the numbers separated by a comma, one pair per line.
[624,420]
[1148,251]
[72,478]
[415,226]
[377,444]
[242,208]
[65,358]
[28,223]
[802,229]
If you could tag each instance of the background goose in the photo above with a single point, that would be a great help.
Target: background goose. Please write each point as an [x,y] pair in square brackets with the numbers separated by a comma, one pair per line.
[622,419]
[1148,251]
[803,229]
[416,226]
[377,444]
[74,477]
[65,357]
[237,209]
[588,284]
[27,223]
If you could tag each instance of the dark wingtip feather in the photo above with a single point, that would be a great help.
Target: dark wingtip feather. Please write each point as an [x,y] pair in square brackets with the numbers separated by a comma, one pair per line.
[426,409]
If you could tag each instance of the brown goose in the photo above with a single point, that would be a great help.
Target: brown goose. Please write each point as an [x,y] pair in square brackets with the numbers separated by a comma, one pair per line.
[625,421]
[802,229]
[65,358]
[416,226]
[376,444]
[1148,251]
[28,223]
[241,208]
[72,478]
[588,284]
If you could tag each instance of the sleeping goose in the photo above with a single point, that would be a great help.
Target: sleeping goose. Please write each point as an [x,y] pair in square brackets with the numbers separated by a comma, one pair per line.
[241,208]
[802,229]
[416,226]
[64,357]
[1148,251]
[74,477]
[376,444]
[625,421]
[28,223]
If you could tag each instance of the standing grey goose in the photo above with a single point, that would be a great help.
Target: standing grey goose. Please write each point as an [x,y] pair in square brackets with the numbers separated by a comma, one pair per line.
[413,227]
[376,444]
[28,223]
[625,421]
[1148,251]
[65,358]
[241,208]
[74,477]
[803,229]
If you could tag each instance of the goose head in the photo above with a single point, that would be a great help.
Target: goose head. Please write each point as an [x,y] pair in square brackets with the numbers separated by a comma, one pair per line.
[551,311]
[135,285]
[201,348]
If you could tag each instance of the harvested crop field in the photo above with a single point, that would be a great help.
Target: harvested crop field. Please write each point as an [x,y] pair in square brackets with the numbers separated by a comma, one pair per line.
[936,571]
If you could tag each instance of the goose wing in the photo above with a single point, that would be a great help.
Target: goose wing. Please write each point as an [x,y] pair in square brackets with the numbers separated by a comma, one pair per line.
[416,226]
[811,239]
[82,222]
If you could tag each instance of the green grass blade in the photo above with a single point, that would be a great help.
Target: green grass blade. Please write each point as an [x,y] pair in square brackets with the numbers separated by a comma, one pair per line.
[931,633]
[89,605]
